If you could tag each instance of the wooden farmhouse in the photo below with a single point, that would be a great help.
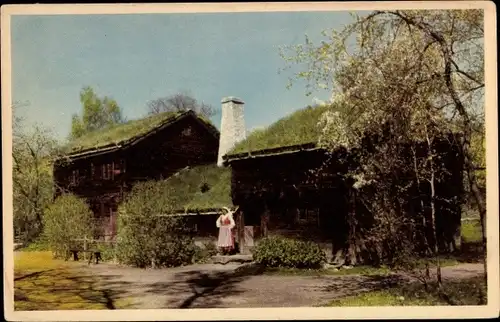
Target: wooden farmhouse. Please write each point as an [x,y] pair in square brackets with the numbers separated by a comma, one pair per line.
[104,165]
[285,184]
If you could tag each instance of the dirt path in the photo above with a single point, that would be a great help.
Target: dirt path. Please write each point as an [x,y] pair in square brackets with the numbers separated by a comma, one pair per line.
[212,285]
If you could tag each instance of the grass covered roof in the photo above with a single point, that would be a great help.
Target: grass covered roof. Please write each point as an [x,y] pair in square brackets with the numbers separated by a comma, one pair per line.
[120,134]
[197,189]
[301,127]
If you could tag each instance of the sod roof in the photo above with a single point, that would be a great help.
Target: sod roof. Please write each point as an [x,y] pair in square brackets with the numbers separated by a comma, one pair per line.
[297,129]
[122,134]
[187,195]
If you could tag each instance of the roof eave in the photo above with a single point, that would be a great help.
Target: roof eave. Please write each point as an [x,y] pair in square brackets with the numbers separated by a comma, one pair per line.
[205,212]
[312,146]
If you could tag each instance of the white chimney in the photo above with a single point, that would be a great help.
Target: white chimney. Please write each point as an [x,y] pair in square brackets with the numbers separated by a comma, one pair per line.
[232,126]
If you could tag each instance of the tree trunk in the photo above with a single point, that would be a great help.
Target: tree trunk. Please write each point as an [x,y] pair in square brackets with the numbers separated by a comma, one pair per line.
[348,252]
[422,207]
[471,176]
[241,232]
[264,221]
[433,210]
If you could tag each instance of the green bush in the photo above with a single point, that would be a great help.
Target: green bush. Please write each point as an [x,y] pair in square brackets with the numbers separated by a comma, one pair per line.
[146,236]
[284,252]
[203,254]
[39,244]
[107,250]
[471,231]
[68,218]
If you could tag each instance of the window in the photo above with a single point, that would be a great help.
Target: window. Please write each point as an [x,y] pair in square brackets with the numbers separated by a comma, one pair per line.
[118,167]
[109,168]
[186,131]
[123,165]
[107,171]
[308,217]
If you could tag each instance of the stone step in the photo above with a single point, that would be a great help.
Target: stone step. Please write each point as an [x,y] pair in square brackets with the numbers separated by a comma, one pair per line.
[224,259]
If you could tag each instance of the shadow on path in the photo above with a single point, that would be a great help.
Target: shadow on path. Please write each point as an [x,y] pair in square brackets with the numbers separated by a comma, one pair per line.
[351,285]
[203,289]
[32,275]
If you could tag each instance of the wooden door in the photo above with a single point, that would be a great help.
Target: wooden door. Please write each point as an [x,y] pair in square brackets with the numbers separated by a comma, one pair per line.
[113,214]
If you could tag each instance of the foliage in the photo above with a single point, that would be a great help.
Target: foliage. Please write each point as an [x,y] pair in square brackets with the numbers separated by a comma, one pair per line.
[478,156]
[33,183]
[296,129]
[98,113]
[180,102]
[107,249]
[146,239]
[203,254]
[44,283]
[37,245]
[398,51]
[471,232]
[398,77]
[284,252]
[67,219]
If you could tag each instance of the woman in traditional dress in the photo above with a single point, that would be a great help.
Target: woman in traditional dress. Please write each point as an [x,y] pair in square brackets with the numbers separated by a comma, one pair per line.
[225,223]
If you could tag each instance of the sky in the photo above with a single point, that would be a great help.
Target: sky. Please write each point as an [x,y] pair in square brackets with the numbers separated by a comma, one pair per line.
[141,57]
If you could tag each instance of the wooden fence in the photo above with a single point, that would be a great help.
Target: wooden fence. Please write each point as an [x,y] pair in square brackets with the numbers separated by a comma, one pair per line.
[87,243]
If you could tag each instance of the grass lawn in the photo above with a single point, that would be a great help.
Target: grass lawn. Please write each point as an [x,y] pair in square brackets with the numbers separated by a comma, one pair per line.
[469,291]
[44,283]
[471,231]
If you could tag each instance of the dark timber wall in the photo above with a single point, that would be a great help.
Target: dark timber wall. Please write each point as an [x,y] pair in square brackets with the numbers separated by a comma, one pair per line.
[304,195]
[287,194]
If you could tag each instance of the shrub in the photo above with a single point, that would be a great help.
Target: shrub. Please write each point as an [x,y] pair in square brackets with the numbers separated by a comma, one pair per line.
[147,236]
[202,254]
[68,218]
[471,231]
[107,250]
[284,252]
[39,244]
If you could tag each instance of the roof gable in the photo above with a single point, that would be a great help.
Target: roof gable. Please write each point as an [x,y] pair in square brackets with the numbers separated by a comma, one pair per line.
[121,135]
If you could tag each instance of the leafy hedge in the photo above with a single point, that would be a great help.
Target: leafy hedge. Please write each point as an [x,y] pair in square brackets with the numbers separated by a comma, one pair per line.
[285,252]
[146,236]
[38,245]
[68,218]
